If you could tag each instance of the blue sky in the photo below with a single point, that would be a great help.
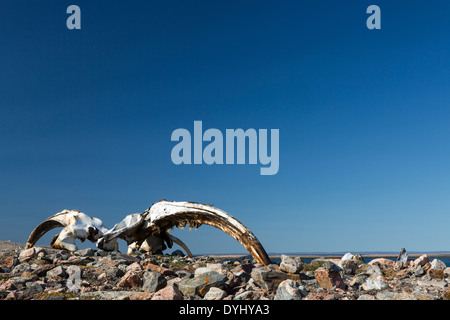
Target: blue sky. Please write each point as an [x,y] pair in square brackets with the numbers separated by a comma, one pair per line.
[86,117]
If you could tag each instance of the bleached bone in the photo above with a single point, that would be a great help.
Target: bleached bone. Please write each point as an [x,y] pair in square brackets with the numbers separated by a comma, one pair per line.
[76,225]
[136,228]
[154,244]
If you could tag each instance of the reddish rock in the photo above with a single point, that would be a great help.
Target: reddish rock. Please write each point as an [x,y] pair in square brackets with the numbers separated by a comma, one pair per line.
[155,268]
[421,261]
[328,279]
[7,286]
[134,267]
[130,280]
[170,292]
[383,263]
[27,254]
[8,262]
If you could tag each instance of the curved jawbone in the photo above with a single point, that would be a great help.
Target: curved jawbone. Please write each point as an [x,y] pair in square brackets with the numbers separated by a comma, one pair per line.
[164,215]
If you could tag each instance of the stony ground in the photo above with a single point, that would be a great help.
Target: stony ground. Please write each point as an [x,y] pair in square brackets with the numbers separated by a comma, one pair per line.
[45,273]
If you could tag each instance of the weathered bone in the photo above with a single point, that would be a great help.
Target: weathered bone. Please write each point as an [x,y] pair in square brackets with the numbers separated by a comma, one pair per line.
[154,244]
[163,215]
[75,224]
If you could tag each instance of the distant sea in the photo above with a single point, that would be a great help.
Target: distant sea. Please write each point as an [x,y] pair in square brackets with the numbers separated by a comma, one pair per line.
[443,256]
[307,257]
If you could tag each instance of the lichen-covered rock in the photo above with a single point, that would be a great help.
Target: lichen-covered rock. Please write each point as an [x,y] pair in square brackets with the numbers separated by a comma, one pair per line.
[200,284]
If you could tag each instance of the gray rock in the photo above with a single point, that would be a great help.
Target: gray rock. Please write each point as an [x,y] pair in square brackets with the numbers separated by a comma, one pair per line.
[366,297]
[21,268]
[325,263]
[215,293]
[437,264]
[290,264]
[374,283]
[184,273]
[106,295]
[419,271]
[246,295]
[403,257]
[348,266]
[290,290]
[200,284]
[178,253]
[269,279]
[33,288]
[153,281]
[88,252]
[58,271]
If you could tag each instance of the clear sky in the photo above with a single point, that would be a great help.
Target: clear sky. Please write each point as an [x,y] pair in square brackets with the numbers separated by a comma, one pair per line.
[86,117]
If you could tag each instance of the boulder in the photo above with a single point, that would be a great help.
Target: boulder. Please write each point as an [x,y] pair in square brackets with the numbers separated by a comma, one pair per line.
[130,280]
[27,254]
[328,278]
[290,264]
[290,290]
[375,282]
[437,264]
[403,257]
[421,261]
[215,293]
[58,271]
[201,284]
[269,279]
[383,263]
[169,292]
[153,281]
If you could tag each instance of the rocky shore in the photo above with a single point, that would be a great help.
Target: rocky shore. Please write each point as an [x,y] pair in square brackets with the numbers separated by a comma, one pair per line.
[42,273]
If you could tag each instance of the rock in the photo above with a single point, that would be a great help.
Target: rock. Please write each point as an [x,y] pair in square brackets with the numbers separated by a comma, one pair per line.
[421,261]
[403,257]
[178,253]
[202,270]
[383,263]
[164,271]
[436,284]
[437,264]
[170,292]
[329,278]
[290,290]
[134,267]
[419,271]
[8,262]
[27,254]
[215,293]
[269,279]
[58,271]
[34,288]
[290,264]
[386,295]
[447,272]
[88,252]
[153,281]
[326,264]
[348,266]
[375,283]
[106,295]
[347,256]
[200,284]
[130,279]
[21,268]
[358,259]
[321,296]
[366,297]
